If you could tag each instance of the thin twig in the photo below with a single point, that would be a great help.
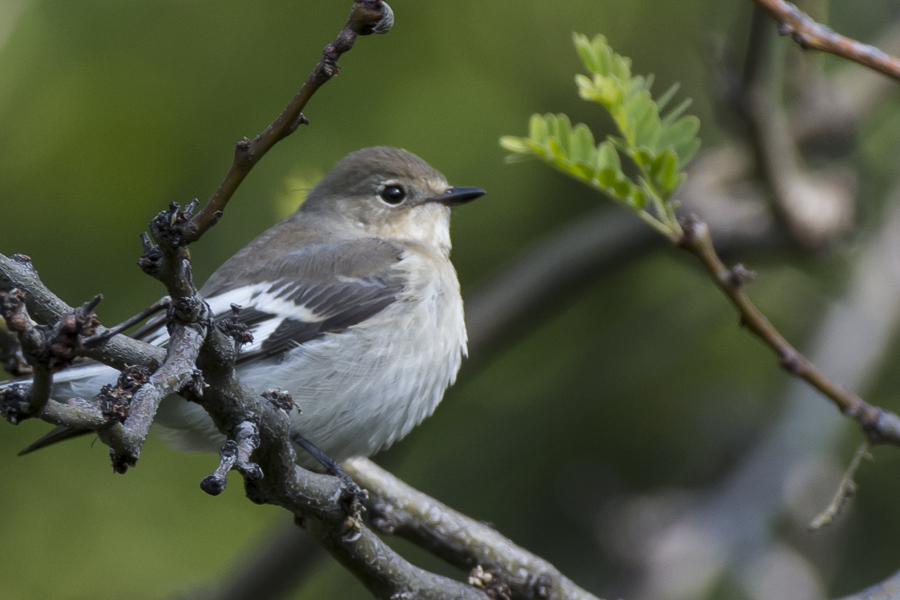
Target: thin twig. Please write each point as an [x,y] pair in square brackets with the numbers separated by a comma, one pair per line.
[810,35]
[880,426]
[160,305]
[736,517]
[845,491]
[366,17]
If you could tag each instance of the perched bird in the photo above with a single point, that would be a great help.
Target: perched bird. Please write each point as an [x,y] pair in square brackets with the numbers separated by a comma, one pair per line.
[354,308]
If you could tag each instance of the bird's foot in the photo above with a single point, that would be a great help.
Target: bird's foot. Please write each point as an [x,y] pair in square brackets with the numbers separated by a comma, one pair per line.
[353,498]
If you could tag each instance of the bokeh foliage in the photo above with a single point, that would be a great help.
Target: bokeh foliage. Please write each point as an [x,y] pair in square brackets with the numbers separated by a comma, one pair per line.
[111,109]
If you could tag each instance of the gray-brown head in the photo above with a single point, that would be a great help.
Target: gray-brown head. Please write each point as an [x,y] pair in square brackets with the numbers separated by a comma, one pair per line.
[390,193]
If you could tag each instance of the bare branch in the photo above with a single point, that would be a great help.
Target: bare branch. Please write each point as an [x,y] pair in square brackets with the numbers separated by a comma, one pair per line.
[46,307]
[731,524]
[160,305]
[835,106]
[178,373]
[199,364]
[47,349]
[810,35]
[235,454]
[494,562]
[320,502]
[366,17]
[880,426]
[846,490]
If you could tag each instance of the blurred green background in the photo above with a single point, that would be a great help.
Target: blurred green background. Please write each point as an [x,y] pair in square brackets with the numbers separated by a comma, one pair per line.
[644,383]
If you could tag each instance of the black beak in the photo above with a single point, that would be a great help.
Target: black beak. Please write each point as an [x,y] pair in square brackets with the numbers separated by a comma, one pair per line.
[454,196]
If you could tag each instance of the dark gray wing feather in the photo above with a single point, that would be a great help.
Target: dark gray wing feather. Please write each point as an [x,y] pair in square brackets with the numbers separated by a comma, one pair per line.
[322,288]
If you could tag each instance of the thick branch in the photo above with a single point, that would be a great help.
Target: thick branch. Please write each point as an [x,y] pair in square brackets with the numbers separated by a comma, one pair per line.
[320,501]
[385,573]
[366,17]
[810,35]
[493,560]
[177,373]
[46,307]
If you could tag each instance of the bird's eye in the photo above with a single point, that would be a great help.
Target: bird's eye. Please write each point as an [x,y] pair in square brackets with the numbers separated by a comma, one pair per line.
[393,194]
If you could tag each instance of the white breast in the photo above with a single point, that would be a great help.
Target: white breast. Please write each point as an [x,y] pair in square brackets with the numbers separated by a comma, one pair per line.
[361,389]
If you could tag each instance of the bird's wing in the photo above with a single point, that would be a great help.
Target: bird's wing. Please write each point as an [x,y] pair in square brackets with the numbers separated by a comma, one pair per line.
[303,295]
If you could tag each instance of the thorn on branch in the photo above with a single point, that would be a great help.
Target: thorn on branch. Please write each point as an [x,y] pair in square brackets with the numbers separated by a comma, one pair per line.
[235,454]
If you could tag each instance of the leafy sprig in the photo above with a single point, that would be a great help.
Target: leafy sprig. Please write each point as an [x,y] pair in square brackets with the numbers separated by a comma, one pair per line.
[659,146]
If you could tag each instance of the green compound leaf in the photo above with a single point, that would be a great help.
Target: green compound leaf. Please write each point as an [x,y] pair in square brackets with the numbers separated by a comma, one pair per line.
[657,145]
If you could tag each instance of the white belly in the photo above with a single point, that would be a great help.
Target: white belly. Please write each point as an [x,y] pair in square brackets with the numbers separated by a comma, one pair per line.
[358,390]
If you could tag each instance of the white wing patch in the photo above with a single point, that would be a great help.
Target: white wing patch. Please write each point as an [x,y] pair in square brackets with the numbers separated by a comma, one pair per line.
[266,297]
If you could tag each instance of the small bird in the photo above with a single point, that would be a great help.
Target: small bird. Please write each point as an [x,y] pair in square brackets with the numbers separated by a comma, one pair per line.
[353,305]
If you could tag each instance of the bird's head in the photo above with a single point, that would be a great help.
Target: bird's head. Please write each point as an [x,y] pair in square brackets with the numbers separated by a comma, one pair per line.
[387,192]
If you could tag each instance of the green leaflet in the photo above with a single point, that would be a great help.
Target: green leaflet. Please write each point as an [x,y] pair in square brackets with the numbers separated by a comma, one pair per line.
[658,145]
